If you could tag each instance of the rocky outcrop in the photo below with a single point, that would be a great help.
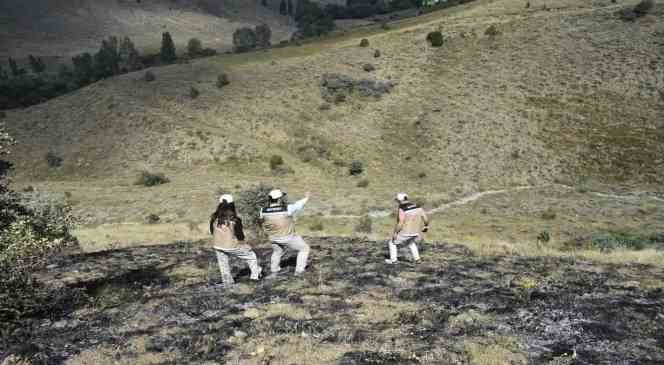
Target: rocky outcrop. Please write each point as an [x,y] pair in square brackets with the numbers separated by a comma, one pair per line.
[334,87]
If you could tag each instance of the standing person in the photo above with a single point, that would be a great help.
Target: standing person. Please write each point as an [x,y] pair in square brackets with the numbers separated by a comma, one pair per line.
[412,221]
[278,223]
[228,240]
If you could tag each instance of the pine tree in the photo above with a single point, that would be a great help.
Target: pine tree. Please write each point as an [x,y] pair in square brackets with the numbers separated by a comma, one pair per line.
[107,59]
[129,57]
[83,69]
[283,8]
[3,74]
[13,67]
[36,64]
[291,10]
[167,53]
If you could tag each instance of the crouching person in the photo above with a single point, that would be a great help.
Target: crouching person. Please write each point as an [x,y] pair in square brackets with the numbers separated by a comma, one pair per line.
[412,222]
[228,240]
[278,224]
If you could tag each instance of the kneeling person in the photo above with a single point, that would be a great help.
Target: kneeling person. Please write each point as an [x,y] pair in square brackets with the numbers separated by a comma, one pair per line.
[228,237]
[278,224]
[412,221]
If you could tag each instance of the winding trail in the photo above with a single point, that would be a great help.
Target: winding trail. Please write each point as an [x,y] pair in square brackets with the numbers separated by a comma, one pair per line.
[476,196]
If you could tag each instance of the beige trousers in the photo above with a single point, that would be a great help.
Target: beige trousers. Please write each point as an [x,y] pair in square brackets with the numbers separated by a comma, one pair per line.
[242,252]
[280,246]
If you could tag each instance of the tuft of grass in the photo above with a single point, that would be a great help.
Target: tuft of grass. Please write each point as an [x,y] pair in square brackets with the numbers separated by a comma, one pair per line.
[364,42]
[193,92]
[609,241]
[492,31]
[147,178]
[363,183]
[548,214]
[317,226]
[276,162]
[435,39]
[364,225]
[356,168]
[222,80]
[53,160]
[152,219]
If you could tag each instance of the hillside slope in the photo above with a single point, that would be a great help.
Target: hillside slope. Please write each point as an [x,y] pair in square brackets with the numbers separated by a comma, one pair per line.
[569,93]
[63,28]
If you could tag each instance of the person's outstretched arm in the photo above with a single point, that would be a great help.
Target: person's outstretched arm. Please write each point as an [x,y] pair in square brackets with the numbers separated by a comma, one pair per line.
[297,207]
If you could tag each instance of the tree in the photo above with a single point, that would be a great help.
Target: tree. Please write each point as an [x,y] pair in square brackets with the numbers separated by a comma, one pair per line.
[167,54]
[130,59]
[107,59]
[84,71]
[36,64]
[13,67]
[283,8]
[263,35]
[194,47]
[3,74]
[244,39]
[291,10]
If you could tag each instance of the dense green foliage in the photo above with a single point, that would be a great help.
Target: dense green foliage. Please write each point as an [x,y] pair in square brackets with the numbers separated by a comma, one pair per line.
[244,39]
[167,53]
[147,178]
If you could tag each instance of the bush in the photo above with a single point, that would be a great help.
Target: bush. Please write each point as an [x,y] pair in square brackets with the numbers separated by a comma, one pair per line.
[356,168]
[644,7]
[149,76]
[612,240]
[250,202]
[544,237]
[194,47]
[276,162]
[364,225]
[244,39]
[222,80]
[316,226]
[491,31]
[151,179]
[435,39]
[313,21]
[549,214]
[376,53]
[152,219]
[193,92]
[263,35]
[363,183]
[364,42]
[53,160]
[368,67]
[33,227]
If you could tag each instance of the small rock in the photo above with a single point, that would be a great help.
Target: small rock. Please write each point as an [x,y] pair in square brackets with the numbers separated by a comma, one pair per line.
[239,334]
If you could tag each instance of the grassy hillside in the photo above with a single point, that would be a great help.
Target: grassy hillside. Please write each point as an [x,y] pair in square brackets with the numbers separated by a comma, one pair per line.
[566,93]
[64,27]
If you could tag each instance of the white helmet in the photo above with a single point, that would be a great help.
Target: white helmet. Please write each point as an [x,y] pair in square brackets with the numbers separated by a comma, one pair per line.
[228,198]
[276,194]
[401,197]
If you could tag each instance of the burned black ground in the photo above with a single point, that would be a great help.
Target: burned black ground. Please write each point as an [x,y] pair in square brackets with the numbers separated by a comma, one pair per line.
[538,309]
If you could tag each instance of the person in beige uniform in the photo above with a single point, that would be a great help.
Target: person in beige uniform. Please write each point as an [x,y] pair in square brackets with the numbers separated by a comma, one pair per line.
[412,222]
[228,240]
[278,224]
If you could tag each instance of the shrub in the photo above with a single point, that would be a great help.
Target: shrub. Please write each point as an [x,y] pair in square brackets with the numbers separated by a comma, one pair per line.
[491,31]
[356,168]
[644,7]
[364,225]
[244,39]
[151,179]
[263,35]
[544,237]
[549,214]
[149,76]
[167,53]
[36,64]
[276,162]
[435,39]
[194,47]
[152,219]
[193,92]
[53,160]
[33,227]
[422,175]
[608,241]
[364,42]
[249,202]
[317,226]
[385,26]
[312,21]
[376,53]
[222,80]
[363,183]
[368,67]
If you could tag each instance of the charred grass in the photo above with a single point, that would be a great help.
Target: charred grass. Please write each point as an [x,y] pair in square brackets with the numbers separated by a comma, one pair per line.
[146,305]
